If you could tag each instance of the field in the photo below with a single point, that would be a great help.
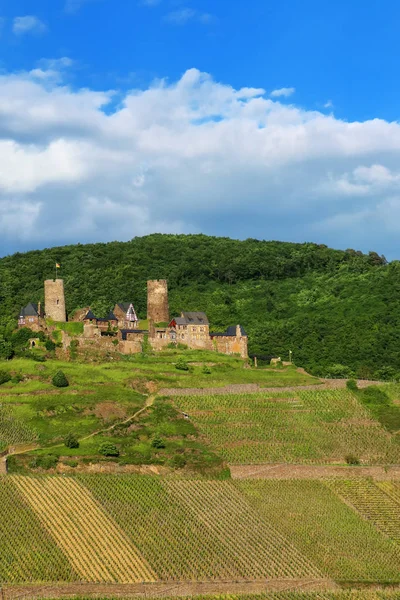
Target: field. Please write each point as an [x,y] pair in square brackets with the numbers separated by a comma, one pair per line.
[127,529]
[322,426]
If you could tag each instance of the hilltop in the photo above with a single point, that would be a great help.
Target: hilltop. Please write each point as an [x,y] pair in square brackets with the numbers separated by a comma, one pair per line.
[328,306]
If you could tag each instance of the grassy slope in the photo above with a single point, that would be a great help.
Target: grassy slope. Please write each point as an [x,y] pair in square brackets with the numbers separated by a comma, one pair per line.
[104,394]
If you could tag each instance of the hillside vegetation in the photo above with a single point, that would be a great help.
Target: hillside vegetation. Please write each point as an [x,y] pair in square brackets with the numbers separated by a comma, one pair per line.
[328,306]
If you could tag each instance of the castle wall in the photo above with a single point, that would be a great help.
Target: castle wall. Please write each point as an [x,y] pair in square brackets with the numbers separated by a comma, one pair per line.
[157,301]
[54,300]
[231,345]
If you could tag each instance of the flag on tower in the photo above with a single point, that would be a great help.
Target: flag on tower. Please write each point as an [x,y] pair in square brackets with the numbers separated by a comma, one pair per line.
[58,266]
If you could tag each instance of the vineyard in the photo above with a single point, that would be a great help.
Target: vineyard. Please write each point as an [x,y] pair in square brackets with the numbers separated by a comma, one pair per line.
[13,430]
[335,537]
[321,426]
[127,529]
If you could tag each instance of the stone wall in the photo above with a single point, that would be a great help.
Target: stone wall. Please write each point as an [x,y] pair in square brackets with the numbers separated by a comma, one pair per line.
[227,344]
[157,301]
[54,300]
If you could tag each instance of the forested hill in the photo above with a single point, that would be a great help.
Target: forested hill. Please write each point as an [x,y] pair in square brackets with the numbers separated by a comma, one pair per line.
[327,306]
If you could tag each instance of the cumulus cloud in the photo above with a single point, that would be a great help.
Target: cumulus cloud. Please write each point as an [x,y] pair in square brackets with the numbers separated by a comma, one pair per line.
[283,92]
[189,156]
[28,24]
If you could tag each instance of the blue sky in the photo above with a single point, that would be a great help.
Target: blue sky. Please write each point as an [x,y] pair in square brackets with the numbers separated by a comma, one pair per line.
[276,120]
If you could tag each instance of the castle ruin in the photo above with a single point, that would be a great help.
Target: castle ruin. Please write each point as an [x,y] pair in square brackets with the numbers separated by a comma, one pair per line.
[121,330]
[157,301]
[54,300]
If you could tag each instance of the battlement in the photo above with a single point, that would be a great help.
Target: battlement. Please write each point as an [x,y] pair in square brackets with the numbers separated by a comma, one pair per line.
[54,300]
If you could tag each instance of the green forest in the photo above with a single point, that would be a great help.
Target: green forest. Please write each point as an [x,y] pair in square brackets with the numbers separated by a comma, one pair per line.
[329,307]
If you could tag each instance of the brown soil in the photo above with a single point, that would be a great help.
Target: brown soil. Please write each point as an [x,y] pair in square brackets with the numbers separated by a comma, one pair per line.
[160,590]
[109,411]
[285,471]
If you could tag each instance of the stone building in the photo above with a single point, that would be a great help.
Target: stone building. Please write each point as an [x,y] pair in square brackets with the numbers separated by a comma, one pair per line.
[126,315]
[54,300]
[157,301]
[193,329]
[120,331]
[31,316]
[232,341]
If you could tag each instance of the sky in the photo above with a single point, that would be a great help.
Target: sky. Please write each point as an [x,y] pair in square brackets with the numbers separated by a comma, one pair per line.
[260,119]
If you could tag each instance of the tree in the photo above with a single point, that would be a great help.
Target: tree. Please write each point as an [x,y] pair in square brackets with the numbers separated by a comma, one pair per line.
[60,380]
[71,441]
[108,449]
[6,350]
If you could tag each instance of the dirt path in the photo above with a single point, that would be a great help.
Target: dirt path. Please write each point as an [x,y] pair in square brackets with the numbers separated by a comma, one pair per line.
[285,471]
[160,590]
[149,402]
[254,388]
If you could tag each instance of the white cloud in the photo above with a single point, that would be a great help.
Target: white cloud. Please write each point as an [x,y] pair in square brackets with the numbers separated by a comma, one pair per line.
[184,15]
[283,92]
[28,24]
[192,155]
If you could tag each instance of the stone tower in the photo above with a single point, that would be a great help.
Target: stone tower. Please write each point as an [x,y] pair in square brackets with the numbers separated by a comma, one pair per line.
[54,301]
[157,301]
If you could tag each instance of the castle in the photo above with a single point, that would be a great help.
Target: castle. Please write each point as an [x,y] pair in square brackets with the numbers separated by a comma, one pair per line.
[120,331]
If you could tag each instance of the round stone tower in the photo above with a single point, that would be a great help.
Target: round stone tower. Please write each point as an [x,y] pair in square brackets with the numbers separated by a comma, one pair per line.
[157,301]
[54,300]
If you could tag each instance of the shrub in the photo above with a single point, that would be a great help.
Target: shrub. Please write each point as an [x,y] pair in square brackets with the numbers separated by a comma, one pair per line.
[351,459]
[374,395]
[182,365]
[351,385]
[206,370]
[48,461]
[178,461]
[108,449]
[4,377]
[60,380]
[157,442]
[71,441]
[6,350]
[339,372]
[50,346]
[17,378]
[71,463]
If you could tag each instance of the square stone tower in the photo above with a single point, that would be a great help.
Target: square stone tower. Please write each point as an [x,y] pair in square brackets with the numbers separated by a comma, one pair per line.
[54,300]
[157,301]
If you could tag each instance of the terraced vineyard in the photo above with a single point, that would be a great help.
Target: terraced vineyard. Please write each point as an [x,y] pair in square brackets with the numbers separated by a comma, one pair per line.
[127,529]
[198,530]
[337,539]
[320,426]
[373,503]
[13,430]
[97,549]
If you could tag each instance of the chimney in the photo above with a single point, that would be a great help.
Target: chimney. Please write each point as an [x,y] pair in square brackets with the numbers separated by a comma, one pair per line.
[238,331]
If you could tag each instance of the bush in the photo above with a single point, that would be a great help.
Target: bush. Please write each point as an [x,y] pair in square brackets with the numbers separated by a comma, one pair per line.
[48,461]
[50,346]
[71,463]
[178,461]
[339,372]
[157,442]
[206,370]
[108,449]
[60,380]
[4,377]
[182,365]
[374,395]
[351,459]
[6,350]
[71,441]
[351,385]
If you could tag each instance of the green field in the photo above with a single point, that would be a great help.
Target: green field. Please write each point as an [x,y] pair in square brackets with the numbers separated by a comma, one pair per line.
[321,426]
[81,528]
